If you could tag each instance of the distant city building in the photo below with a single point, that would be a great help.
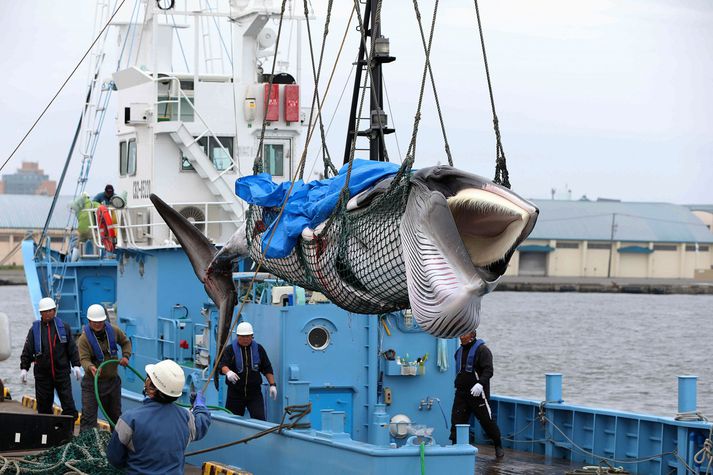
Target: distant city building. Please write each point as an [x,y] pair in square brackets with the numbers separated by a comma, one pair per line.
[30,179]
[607,238]
[23,216]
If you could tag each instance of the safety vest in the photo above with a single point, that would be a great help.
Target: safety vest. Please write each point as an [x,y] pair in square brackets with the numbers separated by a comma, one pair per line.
[59,328]
[471,357]
[254,356]
[92,338]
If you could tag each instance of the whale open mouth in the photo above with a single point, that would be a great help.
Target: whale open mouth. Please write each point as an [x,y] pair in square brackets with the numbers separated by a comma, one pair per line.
[488,224]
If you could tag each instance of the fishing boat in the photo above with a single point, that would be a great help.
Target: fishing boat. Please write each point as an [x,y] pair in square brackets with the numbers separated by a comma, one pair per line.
[378,388]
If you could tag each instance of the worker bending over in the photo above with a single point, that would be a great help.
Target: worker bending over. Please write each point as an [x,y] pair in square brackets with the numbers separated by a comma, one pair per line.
[242,362]
[152,438]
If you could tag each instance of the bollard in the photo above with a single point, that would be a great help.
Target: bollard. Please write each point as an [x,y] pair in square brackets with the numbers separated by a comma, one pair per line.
[462,434]
[379,434]
[326,419]
[338,418]
[297,392]
[553,387]
[687,393]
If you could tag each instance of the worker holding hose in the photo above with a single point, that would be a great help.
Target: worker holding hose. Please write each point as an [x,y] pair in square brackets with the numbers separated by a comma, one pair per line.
[100,341]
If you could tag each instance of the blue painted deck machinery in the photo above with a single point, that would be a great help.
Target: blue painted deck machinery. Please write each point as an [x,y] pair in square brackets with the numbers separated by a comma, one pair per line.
[319,353]
[74,285]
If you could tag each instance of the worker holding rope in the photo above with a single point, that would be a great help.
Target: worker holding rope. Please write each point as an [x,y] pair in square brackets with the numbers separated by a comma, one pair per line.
[152,438]
[100,341]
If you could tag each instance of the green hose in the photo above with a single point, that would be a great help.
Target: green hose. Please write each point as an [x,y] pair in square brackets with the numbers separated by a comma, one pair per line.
[423,458]
[140,376]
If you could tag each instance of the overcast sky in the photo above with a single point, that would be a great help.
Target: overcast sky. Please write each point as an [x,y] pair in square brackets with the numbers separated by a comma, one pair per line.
[605,98]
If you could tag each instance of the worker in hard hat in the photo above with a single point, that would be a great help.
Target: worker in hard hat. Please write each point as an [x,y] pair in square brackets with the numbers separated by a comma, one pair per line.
[474,368]
[51,347]
[99,342]
[242,362]
[152,438]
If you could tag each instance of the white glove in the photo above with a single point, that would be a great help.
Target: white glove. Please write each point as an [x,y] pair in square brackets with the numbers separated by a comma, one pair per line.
[232,377]
[476,390]
[77,372]
[273,392]
[23,376]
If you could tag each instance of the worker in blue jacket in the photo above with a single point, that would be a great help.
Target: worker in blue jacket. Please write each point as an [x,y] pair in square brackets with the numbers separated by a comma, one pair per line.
[50,346]
[151,439]
[242,363]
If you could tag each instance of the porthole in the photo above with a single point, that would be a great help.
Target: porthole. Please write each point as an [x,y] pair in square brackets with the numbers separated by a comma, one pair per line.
[318,338]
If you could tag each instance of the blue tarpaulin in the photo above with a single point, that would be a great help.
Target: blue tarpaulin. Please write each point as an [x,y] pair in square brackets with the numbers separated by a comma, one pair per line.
[309,204]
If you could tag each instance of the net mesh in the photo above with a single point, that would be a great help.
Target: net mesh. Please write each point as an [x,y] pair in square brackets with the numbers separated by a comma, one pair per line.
[354,258]
[86,453]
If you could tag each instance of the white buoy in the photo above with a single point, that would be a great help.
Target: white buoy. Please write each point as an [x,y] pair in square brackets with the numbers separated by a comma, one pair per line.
[5,343]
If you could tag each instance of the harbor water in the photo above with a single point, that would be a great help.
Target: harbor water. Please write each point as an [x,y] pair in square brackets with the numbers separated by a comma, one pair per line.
[618,351]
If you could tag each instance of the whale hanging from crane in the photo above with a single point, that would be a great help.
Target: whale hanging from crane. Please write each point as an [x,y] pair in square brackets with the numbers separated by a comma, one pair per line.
[435,243]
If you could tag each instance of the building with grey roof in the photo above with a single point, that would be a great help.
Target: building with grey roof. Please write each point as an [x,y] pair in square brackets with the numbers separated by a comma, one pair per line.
[615,239]
[25,215]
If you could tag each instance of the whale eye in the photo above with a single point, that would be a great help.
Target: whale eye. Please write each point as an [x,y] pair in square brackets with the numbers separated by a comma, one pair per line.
[318,338]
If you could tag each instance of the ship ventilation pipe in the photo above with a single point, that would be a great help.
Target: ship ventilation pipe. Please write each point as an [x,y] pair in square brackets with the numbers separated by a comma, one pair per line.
[553,387]
[687,394]
[379,434]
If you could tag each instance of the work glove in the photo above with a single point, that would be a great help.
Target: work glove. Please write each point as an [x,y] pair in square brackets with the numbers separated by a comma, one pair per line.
[273,392]
[23,376]
[232,377]
[77,372]
[124,361]
[476,390]
[200,400]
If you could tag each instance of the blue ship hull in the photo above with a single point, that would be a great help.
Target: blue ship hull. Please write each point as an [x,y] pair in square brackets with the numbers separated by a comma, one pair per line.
[166,313]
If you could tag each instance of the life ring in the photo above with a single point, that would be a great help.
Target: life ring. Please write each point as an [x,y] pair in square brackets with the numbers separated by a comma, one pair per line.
[107,233]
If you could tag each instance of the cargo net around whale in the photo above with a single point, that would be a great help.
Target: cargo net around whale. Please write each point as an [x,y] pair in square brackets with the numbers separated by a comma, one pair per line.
[355,259]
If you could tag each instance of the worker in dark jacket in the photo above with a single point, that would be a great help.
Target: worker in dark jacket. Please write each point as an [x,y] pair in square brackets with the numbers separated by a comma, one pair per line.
[242,362]
[105,196]
[152,438]
[474,368]
[51,347]
[100,342]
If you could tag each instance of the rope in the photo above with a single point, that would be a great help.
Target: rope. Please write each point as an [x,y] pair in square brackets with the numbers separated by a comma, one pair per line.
[63,84]
[316,73]
[427,49]
[257,165]
[502,177]
[706,453]
[296,414]
[140,376]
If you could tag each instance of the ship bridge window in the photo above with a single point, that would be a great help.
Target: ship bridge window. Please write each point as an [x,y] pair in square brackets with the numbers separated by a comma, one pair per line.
[275,155]
[127,157]
[220,156]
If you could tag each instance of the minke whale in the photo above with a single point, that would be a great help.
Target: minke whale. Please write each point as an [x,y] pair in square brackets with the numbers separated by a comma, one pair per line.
[439,255]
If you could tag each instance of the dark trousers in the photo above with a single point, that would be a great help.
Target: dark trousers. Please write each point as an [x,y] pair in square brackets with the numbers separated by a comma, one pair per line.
[110,395]
[254,403]
[464,404]
[45,387]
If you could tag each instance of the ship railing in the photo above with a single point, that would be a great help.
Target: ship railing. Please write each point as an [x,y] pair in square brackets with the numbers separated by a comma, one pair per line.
[175,85]
[132,235]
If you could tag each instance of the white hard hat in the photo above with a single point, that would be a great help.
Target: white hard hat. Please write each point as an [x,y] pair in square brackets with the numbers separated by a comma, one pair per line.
[399,425]
[47,304]
[167,376]
[244,328]
[96,313]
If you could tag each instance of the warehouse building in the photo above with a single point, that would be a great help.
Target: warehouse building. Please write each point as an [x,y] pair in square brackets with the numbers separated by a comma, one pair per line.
[25,215]
[617,239]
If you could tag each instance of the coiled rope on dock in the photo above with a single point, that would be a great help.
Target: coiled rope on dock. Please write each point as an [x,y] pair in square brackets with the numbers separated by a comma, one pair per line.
[85,454]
